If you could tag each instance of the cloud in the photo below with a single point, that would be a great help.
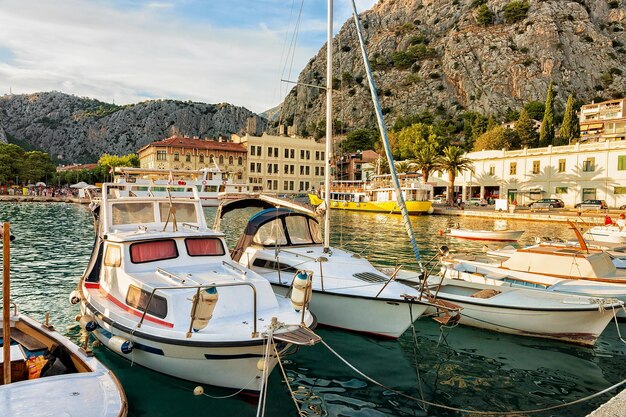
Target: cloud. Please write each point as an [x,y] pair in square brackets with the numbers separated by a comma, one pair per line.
[129,51]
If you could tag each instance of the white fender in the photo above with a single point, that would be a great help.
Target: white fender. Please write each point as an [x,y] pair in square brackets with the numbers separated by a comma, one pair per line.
[204,308]
[74,297]
[120,345]
[88,323]
[301,290]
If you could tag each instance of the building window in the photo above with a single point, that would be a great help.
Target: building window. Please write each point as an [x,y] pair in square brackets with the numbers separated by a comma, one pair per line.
[301,169]
[286,169]
[276,152]
[259,151]
[211,159]
[286,153]
[269,184]
[512,169]
[322,153]
[536,167]
[308,155]
[322,171]
[240,161]
[161,155]
[492,170]
[562,165]
[253,150]
[252,165]
[270,151]
[269,168]
[231,160]
[221,159]
[301,153]
[201,159]
[621,162]
[286,186]
[292,154]
[619,190]
[176,156]
[292,169]
[258,167]
[317,171]
[188,157]
[307,170]
[276,169]
[561,190]
[317,155]
[589,165]
[275,184]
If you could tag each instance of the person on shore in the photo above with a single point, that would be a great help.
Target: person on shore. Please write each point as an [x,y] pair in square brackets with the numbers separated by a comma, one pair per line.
[607,220]
[621,222]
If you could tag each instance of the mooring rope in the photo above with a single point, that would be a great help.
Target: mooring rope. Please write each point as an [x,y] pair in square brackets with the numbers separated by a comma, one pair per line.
[462,410]
[293,395]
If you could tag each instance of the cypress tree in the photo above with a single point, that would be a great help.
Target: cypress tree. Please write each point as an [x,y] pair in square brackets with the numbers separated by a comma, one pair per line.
[570,128]
[526,131]
[546,133]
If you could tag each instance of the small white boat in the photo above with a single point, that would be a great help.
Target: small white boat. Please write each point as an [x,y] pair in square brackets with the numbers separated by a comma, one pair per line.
[162,290]
[524,311]
[42,373]
[613,234]
[494,235]
[278,241]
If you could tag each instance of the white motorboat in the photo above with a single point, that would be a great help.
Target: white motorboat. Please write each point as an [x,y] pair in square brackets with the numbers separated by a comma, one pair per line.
[44,374]
[524,311]
[278,241]
[212,184]
[162,290]
[610,233]
[493,235]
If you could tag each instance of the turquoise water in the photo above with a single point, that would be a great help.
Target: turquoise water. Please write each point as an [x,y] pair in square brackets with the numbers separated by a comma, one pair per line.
[464,368]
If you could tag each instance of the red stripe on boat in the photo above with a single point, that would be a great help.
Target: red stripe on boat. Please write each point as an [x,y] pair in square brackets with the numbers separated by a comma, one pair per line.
[95,285]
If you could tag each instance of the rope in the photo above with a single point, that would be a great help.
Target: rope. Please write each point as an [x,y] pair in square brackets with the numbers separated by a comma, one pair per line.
[467,411]
[619,334]
[417,368]
[265,375]
[293,395]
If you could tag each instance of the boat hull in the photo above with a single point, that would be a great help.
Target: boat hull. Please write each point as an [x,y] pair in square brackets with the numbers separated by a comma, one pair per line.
[413,207]
[611,234]
[378,317]
[232,365]
[491,235]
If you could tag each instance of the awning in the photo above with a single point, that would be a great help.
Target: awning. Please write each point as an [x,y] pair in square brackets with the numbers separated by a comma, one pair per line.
[596,126]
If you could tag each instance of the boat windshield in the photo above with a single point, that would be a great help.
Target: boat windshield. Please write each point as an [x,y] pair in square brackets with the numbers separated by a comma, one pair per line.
[271,233]
[185,212]
[132,213]
[299,233]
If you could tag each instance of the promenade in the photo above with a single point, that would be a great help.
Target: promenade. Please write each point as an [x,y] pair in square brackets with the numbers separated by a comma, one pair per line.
[42,199]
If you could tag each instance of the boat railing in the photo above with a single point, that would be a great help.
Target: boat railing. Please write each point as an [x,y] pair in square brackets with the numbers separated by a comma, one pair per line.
[196,299]
[319,260]
[235,267]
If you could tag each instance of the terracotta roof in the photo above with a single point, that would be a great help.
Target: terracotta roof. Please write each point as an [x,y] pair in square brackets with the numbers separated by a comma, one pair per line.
[184,142]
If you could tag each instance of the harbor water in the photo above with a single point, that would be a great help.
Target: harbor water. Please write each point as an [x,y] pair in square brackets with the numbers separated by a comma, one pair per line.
[457,367]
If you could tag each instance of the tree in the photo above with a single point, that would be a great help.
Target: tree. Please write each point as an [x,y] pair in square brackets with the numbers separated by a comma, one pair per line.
[13,157]
[546,133]
[109,162]
[526,133]
[484,15]
[535,109]
[359,140]
[515,11]
[37,166]
[453,161]
[412,138]
[427,160]
[497,138]
[570,129]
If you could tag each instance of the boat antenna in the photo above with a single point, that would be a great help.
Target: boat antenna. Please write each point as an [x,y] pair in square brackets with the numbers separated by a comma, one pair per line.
[329,123]
[383,133]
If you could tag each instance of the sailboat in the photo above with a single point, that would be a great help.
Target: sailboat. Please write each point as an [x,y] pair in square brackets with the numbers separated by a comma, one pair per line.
[348,291]
[44,373]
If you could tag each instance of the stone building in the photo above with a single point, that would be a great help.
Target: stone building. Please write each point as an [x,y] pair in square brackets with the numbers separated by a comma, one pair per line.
[284,164]
[350,166]
[192,153]
[603,121]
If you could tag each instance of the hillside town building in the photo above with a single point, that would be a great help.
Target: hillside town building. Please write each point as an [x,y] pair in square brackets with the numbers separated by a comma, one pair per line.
[193,154]
[603,121]
[284,164]
[356,166]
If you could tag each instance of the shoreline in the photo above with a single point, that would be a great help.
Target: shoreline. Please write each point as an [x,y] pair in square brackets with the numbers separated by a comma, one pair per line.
[42,199]
[525,214]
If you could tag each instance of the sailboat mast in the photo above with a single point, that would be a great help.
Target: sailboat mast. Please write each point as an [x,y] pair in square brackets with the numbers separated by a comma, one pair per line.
[383,132]
[329,123]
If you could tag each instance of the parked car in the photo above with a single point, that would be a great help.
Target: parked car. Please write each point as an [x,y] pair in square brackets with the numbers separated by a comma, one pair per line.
[548,202]
[476,202]
[439,199]
[601,204]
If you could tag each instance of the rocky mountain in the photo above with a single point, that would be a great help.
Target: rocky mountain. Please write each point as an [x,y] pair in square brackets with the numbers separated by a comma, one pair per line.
[452,56]
[76,129]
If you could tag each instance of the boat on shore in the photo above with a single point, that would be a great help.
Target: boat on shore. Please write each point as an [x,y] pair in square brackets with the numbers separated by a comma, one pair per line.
[378,195]
[44,374]
[162,290]
[492,235]
[212,184]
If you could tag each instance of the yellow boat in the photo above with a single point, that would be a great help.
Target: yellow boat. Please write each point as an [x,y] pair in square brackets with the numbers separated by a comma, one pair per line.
[378,195]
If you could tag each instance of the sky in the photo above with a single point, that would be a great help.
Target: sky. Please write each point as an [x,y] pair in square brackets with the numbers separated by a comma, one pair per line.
[127,51]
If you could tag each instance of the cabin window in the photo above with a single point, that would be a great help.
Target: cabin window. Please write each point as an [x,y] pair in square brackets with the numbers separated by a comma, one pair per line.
[138,298]
[113,256]
[271,233]
[185,212]
[155,250]
[204,247]
[132,213]
[298,229]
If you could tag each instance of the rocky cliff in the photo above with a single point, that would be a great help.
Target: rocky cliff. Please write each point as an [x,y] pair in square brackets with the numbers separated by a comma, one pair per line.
[434,55]
[75,129]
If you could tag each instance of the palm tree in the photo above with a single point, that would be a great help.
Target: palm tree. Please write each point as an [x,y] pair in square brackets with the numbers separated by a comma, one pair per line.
[427,160]
[453,161]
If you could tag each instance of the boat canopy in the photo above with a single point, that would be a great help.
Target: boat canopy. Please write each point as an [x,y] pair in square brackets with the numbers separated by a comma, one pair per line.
[279,227]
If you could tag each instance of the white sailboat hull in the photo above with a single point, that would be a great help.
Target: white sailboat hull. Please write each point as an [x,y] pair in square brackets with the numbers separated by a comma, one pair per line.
[612,234]
[379,317]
